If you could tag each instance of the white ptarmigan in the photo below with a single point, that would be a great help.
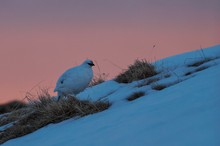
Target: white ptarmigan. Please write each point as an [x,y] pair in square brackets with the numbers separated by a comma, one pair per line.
[74,80]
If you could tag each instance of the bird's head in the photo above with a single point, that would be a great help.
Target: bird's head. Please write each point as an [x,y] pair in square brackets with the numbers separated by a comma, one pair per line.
[88,62]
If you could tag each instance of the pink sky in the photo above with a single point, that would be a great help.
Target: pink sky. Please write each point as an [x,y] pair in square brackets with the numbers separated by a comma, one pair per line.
[39,39]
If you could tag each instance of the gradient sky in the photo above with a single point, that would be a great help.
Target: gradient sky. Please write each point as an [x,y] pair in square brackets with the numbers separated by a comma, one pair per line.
[39,39]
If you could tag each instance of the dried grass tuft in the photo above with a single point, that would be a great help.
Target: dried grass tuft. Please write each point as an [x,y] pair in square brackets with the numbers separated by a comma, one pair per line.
[44,111]
[200,62]
[141,69]
[11,106]
[98,79]
[196,70]
[135,95]
[159,87]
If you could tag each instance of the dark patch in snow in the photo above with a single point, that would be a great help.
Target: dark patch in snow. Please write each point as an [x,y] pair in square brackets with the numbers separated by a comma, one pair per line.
[188,73]
[148,82]
[196,70]
[201,62]
[167,75]
[159,87]
[201,68]
[135,95]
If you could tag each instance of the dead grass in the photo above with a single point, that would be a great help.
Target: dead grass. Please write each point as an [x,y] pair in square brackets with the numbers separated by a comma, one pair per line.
[188,73]
[148,82]
[198,63]
[11,106]
[196,70]
[135,95]
[167,75]
[13,116]
[201,68]
[98,79]
[44,111]
[141,69]
[159,87]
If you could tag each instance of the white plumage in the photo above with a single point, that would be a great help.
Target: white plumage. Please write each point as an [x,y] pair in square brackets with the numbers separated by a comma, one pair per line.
[75,80]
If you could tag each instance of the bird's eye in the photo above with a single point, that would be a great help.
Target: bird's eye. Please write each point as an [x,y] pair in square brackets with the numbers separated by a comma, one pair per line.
[61,82]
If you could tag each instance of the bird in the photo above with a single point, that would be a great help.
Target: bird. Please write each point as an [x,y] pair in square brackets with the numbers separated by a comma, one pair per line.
[74,80]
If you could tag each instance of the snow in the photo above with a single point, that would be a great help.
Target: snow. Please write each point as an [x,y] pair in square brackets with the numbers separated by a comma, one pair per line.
[187,113]
[94,93]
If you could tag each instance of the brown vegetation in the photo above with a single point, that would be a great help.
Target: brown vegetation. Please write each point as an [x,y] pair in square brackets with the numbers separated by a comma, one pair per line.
[200,62]
[44,111]
[135,95]
[141,69]
[159,87]
[11,106]
[98,79]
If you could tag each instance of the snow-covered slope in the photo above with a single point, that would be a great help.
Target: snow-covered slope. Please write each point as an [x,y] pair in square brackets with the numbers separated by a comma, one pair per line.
[185,113]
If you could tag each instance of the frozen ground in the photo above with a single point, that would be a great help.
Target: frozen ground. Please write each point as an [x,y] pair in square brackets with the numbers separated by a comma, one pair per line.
[185,113]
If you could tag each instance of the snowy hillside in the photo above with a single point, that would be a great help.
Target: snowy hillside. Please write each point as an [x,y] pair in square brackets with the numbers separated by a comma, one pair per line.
[179,107]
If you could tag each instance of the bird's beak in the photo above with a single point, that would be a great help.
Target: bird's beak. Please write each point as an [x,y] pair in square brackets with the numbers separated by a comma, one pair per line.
[91,64]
